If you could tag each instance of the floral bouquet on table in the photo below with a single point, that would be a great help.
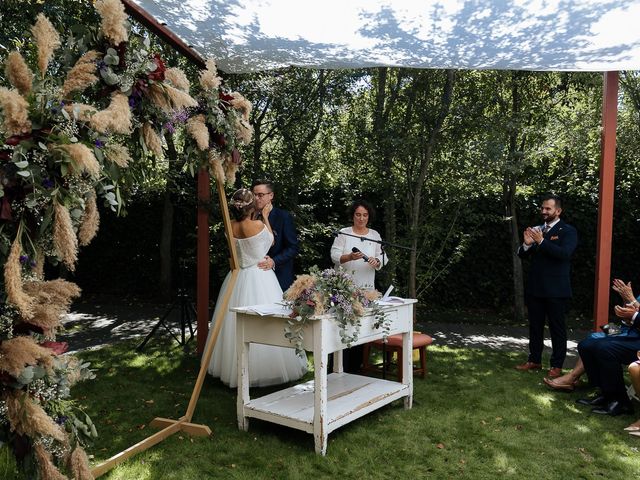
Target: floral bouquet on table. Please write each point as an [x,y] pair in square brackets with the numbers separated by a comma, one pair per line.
[330,291]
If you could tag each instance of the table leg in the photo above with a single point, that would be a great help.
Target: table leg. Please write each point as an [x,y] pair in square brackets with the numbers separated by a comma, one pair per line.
[407,366]
[242,349]
[320,357]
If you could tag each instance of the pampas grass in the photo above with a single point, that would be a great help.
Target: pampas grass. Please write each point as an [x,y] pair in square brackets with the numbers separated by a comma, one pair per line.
[241,104]
[90,222]
[51,301]
[16,112]
[81,75]
[84,159]
[13,280]
[64,239]
[230,170]
[20,352]
[48,471]
[215,166]
[79,464]
[114,20]
[117,154]
[180,99]
[47,41]
[27,417]
[209,79]
[302,283]
[152,140]
[243,131]
[198,130]
[159,98]
[116,118]
[81,111]
[18,73]
[177,78]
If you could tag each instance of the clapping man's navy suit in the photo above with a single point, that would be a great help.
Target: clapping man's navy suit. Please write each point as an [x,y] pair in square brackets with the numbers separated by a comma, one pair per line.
[548,289]
[285,246]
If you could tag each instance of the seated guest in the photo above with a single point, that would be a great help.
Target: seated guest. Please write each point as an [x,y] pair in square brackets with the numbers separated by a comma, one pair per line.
[568,381]
[603,358]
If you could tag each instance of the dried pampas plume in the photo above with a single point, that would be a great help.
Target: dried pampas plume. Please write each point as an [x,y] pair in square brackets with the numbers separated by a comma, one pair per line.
[47,40]
[199,131]
[83,158]
[159,97]
[79,465]
[177,78]
[118,154]
[243,131]
[19,73]
[241,104]
[180,99]
[209,79]
[64,239]
[215,166]
[28,418]
[81,75]
[52,299]
[90,222]
[16,112]
[48,471]
[114,20]
[13,281]
[20,352]
[116,118]
[152,140]
[230,170]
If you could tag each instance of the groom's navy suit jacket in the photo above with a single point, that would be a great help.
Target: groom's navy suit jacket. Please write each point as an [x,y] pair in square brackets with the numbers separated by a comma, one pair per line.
[550,269]
[285,246]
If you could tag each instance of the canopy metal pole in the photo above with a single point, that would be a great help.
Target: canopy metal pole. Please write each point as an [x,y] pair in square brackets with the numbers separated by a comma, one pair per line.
[605,207]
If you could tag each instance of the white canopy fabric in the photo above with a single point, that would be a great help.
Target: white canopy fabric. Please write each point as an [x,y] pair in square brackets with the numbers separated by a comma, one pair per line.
[251,35]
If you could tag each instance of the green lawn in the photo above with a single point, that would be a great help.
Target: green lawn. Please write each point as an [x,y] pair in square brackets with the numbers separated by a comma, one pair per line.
[473,417]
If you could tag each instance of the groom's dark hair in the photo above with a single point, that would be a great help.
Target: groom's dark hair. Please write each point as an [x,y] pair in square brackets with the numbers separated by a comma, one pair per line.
[263,181]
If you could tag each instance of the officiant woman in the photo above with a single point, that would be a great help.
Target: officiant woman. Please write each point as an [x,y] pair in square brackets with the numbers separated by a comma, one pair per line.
[357,250]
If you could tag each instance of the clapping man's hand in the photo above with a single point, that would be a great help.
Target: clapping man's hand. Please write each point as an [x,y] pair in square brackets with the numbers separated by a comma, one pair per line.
[624,289]
[626,313]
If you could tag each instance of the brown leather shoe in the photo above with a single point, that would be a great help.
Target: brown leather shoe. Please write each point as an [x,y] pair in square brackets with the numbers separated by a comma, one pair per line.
[529,366]
[554,372]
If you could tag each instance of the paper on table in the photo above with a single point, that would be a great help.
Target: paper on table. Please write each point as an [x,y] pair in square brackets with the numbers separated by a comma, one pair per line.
[389,300]
[268,309]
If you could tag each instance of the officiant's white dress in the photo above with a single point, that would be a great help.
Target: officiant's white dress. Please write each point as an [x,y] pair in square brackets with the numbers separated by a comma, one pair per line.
[268,365]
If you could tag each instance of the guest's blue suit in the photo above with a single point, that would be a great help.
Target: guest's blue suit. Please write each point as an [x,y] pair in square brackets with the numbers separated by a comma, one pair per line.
[285,246]
[549,289]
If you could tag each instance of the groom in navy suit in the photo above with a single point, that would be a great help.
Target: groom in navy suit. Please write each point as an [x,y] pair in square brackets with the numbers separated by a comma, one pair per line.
[549,247]
[285,247]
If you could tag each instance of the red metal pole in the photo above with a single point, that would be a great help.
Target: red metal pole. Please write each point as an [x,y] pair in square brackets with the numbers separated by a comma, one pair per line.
[605,209]
[202,290]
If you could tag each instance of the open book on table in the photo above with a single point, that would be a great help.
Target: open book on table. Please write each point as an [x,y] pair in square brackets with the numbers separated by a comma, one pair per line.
[387,299]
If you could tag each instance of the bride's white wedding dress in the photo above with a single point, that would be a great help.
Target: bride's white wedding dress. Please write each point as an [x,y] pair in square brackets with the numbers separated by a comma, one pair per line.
[268,365]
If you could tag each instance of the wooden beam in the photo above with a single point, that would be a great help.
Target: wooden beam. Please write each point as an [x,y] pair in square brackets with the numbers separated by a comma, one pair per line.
[605,208]
[163,32]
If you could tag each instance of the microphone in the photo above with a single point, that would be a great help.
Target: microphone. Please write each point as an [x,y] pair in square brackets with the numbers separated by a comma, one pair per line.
[356,250]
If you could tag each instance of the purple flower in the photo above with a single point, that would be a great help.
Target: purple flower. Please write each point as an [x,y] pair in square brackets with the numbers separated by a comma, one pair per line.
[169,127]
[61,420]
[33,263]
[99,143]
[132,101]
[48,183]
[24,259]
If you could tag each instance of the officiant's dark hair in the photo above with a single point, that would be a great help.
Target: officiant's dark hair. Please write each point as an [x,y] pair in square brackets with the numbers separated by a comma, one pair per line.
[241,204]
[556,199]
[361,202]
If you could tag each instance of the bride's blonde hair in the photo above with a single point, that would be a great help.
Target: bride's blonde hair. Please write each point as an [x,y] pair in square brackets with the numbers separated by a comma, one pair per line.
[241,204]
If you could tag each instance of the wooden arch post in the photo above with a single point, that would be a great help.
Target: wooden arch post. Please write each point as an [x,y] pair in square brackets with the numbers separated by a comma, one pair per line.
[169,426]
[605,207]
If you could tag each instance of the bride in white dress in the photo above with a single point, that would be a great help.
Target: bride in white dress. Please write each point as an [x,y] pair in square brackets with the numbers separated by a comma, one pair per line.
[268,365]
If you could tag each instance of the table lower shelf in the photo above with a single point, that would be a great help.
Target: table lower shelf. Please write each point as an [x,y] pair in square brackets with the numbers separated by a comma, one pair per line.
[348,398]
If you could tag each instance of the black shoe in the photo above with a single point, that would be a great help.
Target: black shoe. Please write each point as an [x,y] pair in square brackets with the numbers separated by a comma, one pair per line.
[614,408]
[598,401]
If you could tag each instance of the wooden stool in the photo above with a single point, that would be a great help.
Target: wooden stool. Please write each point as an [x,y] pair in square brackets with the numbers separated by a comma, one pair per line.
[394,345]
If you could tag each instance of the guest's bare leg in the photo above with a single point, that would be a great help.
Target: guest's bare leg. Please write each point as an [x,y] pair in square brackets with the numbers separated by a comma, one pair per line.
[634,373]
[568,381]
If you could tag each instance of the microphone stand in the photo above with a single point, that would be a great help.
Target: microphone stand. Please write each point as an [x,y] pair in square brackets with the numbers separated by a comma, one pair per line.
[382,245]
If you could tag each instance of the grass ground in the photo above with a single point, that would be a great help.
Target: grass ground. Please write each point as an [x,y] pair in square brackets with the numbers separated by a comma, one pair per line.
[474,417]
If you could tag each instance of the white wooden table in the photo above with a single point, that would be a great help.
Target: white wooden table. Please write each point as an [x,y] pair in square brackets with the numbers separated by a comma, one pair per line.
[329,400]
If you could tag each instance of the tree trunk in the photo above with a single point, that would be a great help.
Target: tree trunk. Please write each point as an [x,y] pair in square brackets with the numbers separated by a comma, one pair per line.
[166,232]
[518,276]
